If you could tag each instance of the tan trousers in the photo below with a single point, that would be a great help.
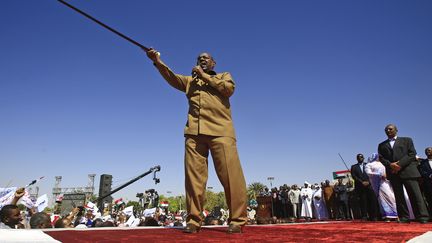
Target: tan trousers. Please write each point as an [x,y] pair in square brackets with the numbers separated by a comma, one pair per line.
[228,169]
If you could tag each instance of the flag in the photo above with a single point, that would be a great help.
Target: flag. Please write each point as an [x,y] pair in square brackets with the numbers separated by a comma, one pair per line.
[136,222]
[6,195]
[118,201]
[92,207]
[164,204]
[128,211]
[130,220]
[89,205]
[341,174]
[41,202]
[27,201]
[149,212]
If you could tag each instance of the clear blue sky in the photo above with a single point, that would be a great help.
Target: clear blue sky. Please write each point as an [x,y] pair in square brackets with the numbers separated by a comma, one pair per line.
[314,79]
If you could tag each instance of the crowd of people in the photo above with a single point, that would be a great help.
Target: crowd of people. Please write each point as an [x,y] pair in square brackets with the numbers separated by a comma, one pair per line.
[11,217]
[394,184]
[88,216]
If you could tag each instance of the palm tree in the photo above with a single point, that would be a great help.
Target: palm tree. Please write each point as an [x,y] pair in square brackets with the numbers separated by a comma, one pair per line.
[254,189]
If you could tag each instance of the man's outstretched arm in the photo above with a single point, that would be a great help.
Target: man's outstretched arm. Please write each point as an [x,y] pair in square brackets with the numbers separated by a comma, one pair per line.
[177,81]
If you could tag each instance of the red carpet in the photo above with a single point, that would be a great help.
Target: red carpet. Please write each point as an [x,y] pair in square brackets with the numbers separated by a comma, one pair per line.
[328,232]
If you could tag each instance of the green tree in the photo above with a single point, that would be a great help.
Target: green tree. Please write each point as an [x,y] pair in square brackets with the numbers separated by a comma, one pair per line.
[254,189]
[176,203]
[215,199]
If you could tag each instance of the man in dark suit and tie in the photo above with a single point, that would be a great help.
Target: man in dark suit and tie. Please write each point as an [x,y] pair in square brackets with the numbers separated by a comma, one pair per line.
[398,155]
[425,169]
[363,190]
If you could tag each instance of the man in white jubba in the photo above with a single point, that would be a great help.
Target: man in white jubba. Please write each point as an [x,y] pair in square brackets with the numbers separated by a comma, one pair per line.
[306,197]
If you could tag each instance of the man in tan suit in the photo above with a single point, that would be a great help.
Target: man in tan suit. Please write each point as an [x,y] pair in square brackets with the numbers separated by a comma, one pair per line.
[209,128]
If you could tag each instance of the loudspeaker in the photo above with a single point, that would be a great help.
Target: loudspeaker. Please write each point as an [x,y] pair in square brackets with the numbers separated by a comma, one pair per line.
[105,189]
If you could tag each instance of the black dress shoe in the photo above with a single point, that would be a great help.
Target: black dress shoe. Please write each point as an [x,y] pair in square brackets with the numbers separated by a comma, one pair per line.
[234,229]
[423,220]
[404,220]
[191,229]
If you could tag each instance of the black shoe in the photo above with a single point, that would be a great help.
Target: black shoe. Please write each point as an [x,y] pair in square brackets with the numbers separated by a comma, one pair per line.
[191,229]
[423,220]
[404,220]
[234,229]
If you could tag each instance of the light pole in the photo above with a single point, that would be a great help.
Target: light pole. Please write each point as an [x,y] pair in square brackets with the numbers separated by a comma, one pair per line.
[271,186]
[270,179]
[180,204]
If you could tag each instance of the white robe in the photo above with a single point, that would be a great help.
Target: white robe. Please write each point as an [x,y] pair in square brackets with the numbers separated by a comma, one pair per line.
[306,199]
[384,190]
[319,204]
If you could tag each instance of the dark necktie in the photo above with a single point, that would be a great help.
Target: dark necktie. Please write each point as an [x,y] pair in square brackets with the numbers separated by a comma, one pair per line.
[392,142]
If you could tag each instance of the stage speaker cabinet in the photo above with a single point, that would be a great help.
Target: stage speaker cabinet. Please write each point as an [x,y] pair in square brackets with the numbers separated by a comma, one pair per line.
[71,201]
[105,189]
[264,209]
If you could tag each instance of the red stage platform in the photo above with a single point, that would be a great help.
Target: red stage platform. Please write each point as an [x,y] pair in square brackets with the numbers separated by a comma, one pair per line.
[335,231]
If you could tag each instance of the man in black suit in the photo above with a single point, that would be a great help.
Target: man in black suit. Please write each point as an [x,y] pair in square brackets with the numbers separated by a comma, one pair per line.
[363,190]
[425,169]
[342,212]
[398,155]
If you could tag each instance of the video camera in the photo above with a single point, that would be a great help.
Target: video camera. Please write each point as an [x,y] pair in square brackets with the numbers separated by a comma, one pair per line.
[150,191]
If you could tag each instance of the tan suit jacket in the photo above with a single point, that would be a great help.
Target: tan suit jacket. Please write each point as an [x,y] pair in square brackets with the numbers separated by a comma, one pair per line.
[209,107]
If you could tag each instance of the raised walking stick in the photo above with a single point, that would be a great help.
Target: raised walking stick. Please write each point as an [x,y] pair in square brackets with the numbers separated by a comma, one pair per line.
[106,26]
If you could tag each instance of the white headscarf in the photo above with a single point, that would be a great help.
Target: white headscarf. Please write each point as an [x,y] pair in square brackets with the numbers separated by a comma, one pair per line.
[373,157]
